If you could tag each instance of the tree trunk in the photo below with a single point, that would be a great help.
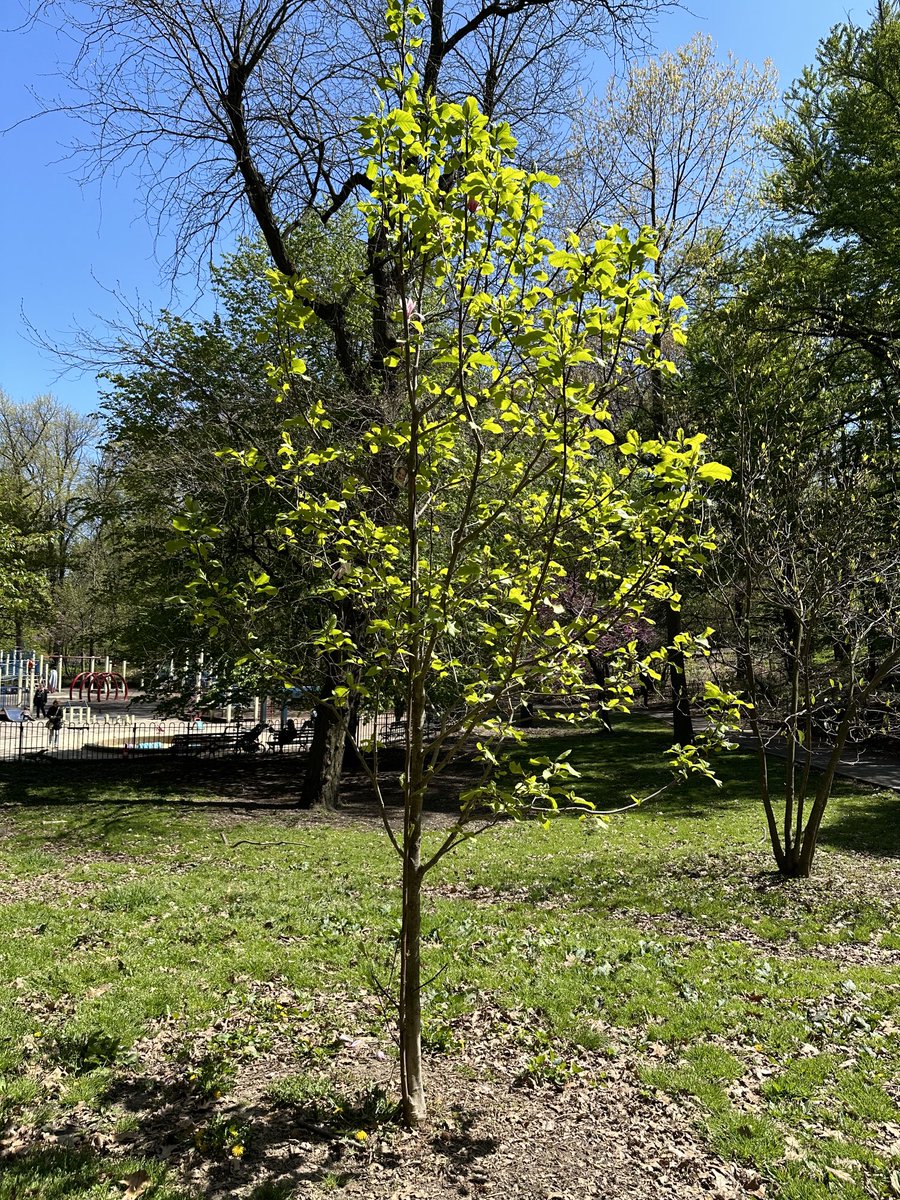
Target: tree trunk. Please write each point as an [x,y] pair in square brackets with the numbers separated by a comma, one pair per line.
[599,670]
[682,722]
[412,1082]
[793,634]
[322,781]
[352,727]
[804,852]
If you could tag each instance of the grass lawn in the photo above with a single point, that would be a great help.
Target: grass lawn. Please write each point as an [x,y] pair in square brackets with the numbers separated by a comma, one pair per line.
[168,989]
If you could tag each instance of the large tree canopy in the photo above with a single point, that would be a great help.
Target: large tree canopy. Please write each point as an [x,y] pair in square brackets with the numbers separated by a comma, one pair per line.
[258,100]
[49,487]
[837,272]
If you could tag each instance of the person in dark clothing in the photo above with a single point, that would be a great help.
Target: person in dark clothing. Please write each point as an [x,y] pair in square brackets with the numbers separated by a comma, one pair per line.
[41,696]
[285,735]
[54,722]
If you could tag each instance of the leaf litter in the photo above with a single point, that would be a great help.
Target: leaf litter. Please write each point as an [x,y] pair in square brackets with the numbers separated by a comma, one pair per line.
[493,1130]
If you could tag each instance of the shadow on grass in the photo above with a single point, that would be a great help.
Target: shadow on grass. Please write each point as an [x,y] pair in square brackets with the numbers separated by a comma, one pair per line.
[178,1133]
[866,822]
[52,1173]
[631,761]
[101,824]
[266,782]
[254,783]
[185,1129]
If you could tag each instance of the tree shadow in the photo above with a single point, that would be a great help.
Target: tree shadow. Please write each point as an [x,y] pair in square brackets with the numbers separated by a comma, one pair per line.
[866,822]
[271,782]
[459,1145]
[51,1171]
[283,1145]
[631,761]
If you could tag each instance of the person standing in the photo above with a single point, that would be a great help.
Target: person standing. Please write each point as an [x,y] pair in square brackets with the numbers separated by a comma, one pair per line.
[41,695]
[53,682]
[54,723]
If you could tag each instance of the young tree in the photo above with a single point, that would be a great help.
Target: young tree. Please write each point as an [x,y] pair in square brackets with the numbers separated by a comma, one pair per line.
[438,540]
[672,146]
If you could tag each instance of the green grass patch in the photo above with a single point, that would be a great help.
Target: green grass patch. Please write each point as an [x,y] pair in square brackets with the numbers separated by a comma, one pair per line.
[126,913]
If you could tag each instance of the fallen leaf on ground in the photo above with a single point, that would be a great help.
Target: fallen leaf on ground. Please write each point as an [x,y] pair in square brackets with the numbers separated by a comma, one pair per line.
[135,1184]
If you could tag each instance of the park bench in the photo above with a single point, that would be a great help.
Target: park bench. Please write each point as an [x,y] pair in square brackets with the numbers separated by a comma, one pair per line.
[222,742]
[301,739]
[202,743]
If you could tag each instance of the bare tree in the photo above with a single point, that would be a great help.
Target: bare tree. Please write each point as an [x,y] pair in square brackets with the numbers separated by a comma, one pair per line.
[806,587]
[674,146]
[235,107]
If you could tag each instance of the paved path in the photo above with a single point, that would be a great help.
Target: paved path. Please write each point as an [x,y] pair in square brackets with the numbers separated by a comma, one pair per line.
[869,768]
[878,770]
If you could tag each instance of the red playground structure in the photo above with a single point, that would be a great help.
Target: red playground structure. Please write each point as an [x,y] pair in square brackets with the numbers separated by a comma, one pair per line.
[101,683]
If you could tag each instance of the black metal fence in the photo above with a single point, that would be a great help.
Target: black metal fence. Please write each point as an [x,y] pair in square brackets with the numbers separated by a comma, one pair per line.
[83,737]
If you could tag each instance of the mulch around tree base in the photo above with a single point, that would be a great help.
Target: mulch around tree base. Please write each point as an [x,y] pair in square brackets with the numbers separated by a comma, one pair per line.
[493,1129]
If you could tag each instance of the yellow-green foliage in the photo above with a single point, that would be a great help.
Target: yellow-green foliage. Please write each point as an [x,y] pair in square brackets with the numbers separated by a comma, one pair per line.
[439,536]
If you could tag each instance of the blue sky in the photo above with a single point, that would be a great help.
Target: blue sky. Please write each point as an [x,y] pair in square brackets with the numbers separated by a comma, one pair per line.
[70,249]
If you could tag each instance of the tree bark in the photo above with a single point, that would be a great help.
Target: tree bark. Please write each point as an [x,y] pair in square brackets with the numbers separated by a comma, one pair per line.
[412,1081]
[682,722]
[792,631]
[598,669]
[322,781]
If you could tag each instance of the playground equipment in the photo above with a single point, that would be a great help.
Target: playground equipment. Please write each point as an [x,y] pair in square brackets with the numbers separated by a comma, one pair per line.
[99,683]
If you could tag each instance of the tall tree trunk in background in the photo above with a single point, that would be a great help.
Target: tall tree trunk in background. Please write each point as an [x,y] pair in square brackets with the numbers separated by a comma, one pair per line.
[322,781]
[598,666]
[353,720]
[682,721]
